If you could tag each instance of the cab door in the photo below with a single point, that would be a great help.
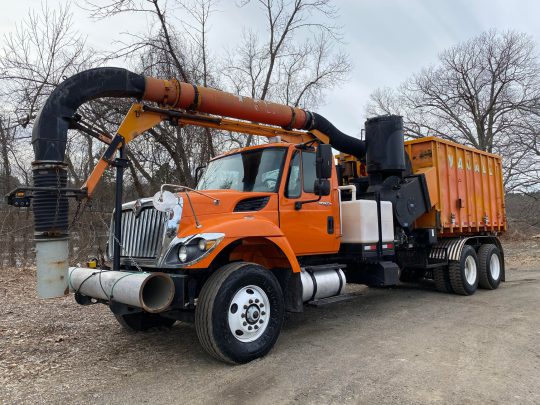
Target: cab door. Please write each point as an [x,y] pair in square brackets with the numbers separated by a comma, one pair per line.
[314,228]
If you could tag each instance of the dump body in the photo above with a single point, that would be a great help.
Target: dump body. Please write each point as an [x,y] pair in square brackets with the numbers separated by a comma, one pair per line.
[465,187]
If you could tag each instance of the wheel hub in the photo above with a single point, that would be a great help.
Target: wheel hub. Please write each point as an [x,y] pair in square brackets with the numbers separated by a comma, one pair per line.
[470,270]
[248,313]
[495,266]
[252,314]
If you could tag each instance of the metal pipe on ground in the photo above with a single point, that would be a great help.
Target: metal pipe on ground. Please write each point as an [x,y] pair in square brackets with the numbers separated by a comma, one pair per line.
[153,292]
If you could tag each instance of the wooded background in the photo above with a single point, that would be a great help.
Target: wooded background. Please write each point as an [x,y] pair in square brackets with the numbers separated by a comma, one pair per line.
[484,93]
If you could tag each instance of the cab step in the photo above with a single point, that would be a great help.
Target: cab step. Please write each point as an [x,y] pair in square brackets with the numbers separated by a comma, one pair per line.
[332,300]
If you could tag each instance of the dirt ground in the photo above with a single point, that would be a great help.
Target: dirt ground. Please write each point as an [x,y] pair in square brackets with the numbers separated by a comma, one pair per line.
[402,345]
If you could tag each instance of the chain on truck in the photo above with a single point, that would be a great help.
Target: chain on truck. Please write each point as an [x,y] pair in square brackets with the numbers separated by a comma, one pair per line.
[268,228]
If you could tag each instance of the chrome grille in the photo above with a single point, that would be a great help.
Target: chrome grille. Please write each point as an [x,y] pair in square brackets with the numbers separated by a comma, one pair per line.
[142,235]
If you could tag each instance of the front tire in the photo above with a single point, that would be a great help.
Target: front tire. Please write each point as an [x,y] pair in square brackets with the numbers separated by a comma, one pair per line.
[239,312]
[464,272]
[491,266]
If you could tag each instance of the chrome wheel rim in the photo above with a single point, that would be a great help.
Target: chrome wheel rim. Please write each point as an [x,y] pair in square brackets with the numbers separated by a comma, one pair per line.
[470,270]
[249,313]
[494,267]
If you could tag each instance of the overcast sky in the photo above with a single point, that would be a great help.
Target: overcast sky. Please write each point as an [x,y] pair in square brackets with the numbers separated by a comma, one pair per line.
[387,40]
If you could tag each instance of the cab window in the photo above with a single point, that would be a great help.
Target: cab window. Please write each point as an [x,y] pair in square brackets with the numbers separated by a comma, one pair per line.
[294,184]
[308,171]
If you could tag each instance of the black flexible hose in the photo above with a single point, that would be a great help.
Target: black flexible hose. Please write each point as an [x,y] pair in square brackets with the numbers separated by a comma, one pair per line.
[340,141]
[49,134]
[49,137]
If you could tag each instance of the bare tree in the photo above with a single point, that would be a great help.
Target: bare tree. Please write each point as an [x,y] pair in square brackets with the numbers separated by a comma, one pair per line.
[484,92]
[283,67]
[173,47]
[43,50]
[34,59]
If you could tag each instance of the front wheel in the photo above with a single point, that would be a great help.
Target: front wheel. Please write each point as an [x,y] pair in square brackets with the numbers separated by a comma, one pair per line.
[239,312]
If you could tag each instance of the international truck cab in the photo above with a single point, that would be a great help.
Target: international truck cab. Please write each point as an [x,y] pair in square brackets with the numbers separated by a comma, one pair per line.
[271,227]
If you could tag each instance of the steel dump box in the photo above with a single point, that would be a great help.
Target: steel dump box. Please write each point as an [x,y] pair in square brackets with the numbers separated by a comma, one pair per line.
[465,187]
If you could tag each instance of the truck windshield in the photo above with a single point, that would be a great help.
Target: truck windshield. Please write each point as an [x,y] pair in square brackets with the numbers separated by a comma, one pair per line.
[255,170]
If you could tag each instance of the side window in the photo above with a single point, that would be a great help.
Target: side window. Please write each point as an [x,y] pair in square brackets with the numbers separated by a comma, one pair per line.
[294,187]
[308,169]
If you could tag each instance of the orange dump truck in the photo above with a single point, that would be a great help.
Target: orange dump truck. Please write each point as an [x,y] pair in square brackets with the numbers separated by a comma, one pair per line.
[268,228]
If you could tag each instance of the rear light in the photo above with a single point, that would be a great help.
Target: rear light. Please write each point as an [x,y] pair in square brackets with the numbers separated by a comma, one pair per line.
[370,248]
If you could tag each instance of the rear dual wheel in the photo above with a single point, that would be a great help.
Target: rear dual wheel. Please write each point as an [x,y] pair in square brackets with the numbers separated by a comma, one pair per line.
[490,265]
[463,273]
[483,269]
[442,280]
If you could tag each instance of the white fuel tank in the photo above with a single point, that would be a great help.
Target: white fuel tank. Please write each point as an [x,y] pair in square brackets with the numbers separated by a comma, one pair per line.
[359,221]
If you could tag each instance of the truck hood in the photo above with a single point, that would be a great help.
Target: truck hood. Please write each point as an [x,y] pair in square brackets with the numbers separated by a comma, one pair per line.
[227,201]
[232,205]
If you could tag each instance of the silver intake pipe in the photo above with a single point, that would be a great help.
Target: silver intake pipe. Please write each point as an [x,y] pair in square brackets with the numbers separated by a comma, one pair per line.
[322,283]
[153,292]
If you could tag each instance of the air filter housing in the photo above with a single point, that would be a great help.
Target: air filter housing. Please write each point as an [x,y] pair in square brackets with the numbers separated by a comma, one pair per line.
[385,145]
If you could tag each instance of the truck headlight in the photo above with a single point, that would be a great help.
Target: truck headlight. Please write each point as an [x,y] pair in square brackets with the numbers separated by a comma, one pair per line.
[182,253]
[194,248]
[202,244]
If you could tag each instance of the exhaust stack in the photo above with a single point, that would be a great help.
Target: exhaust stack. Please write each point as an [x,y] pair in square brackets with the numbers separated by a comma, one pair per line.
[153,292]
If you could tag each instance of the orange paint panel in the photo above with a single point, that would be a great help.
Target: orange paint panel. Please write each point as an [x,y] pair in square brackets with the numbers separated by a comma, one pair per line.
[432,182]
[461,202]
[468,183]
[307,228]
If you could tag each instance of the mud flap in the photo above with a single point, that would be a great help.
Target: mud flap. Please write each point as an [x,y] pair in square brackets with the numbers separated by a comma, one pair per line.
[380,274]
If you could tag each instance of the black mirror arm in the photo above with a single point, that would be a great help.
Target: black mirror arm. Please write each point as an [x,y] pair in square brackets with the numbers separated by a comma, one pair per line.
[298,204]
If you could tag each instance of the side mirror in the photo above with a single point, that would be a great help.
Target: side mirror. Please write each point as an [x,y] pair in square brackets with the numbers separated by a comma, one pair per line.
[322,187]
[324,161]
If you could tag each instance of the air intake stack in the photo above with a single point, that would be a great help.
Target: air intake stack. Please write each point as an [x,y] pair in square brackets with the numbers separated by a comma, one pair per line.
[386,163]
[385,154]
